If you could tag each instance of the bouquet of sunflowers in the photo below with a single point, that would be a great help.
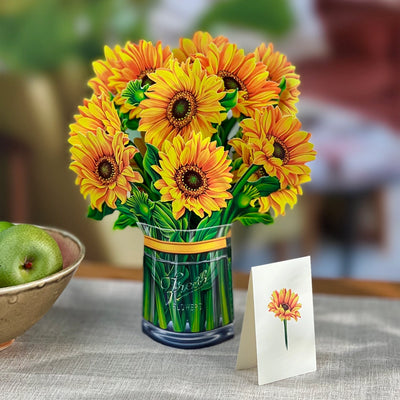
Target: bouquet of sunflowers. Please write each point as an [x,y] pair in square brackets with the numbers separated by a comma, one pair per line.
[189,139]
[199,130]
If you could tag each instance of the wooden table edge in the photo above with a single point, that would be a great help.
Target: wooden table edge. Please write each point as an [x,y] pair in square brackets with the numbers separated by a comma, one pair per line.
[340,286]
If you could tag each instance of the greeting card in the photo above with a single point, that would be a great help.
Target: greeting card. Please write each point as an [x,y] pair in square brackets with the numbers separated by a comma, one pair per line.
[278,327]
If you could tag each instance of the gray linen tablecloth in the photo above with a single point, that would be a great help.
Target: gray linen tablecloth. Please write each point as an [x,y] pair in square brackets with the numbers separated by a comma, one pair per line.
[90,346]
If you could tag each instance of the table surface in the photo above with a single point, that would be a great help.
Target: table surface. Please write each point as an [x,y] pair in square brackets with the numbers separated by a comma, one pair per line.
[90,346]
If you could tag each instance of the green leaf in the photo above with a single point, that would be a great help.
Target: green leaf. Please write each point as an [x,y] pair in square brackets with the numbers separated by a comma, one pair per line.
[94,213]
[217,136]
[228,125]
[151,158]
[230,100]
[237,163]
[208,227]
[163,217]
[154,194]
[138,158]
[134,92]
[125,220]
[176,237]
[244,198]
[126,123]
[183,223]
[213,220]
[139,205]
[132,124]
[266,185]
[282,85]
[254,218]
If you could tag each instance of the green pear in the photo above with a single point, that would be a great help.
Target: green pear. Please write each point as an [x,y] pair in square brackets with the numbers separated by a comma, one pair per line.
[5,225]
[27,253]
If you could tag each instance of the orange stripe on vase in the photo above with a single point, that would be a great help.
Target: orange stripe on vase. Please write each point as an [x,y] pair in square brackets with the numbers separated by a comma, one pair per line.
[185,247]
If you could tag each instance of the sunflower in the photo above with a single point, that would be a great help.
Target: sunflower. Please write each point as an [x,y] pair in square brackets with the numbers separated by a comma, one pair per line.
[242,72]
[276,142]
[98,112]
[123,65]
[182,99]
[195,174]
[138,61]
[277,201]
[285,305]
[198,44]
[102,168]
[279,67]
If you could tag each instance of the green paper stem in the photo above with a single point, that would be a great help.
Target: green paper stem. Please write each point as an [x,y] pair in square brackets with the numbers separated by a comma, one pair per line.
[146,295]
[286,336]
[236,190]
[197,303]
[209,310]
[243,180]
[222,290]
[175,317]
[160,309]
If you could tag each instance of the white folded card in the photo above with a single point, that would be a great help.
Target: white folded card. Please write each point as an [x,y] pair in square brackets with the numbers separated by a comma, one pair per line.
[278,326]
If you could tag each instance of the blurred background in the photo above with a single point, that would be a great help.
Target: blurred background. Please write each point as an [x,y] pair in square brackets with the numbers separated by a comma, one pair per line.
[347,53]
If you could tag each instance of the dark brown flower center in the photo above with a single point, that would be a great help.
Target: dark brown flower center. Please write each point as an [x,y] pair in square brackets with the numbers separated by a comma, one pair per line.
[106,169]
[181,109]
[231,81]
[285,306]
[191,180]
[145,78]
[280,151]
[261,172]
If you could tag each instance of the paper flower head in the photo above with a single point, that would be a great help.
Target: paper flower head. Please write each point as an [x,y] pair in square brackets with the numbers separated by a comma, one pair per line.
[202,133]
[285,305]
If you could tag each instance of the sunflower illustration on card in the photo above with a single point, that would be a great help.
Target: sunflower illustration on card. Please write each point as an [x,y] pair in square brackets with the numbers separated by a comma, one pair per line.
[285,305]
[278,325]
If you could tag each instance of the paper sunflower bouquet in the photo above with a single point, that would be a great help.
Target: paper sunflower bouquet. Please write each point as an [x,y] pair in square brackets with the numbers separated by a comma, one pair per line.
[182,144]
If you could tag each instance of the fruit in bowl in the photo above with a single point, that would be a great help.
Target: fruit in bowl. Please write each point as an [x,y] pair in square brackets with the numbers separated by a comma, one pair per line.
[33,275]
[27,253]
[5,225]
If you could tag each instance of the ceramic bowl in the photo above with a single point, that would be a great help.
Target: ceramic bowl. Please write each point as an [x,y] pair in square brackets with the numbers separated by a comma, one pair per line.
[23,305]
